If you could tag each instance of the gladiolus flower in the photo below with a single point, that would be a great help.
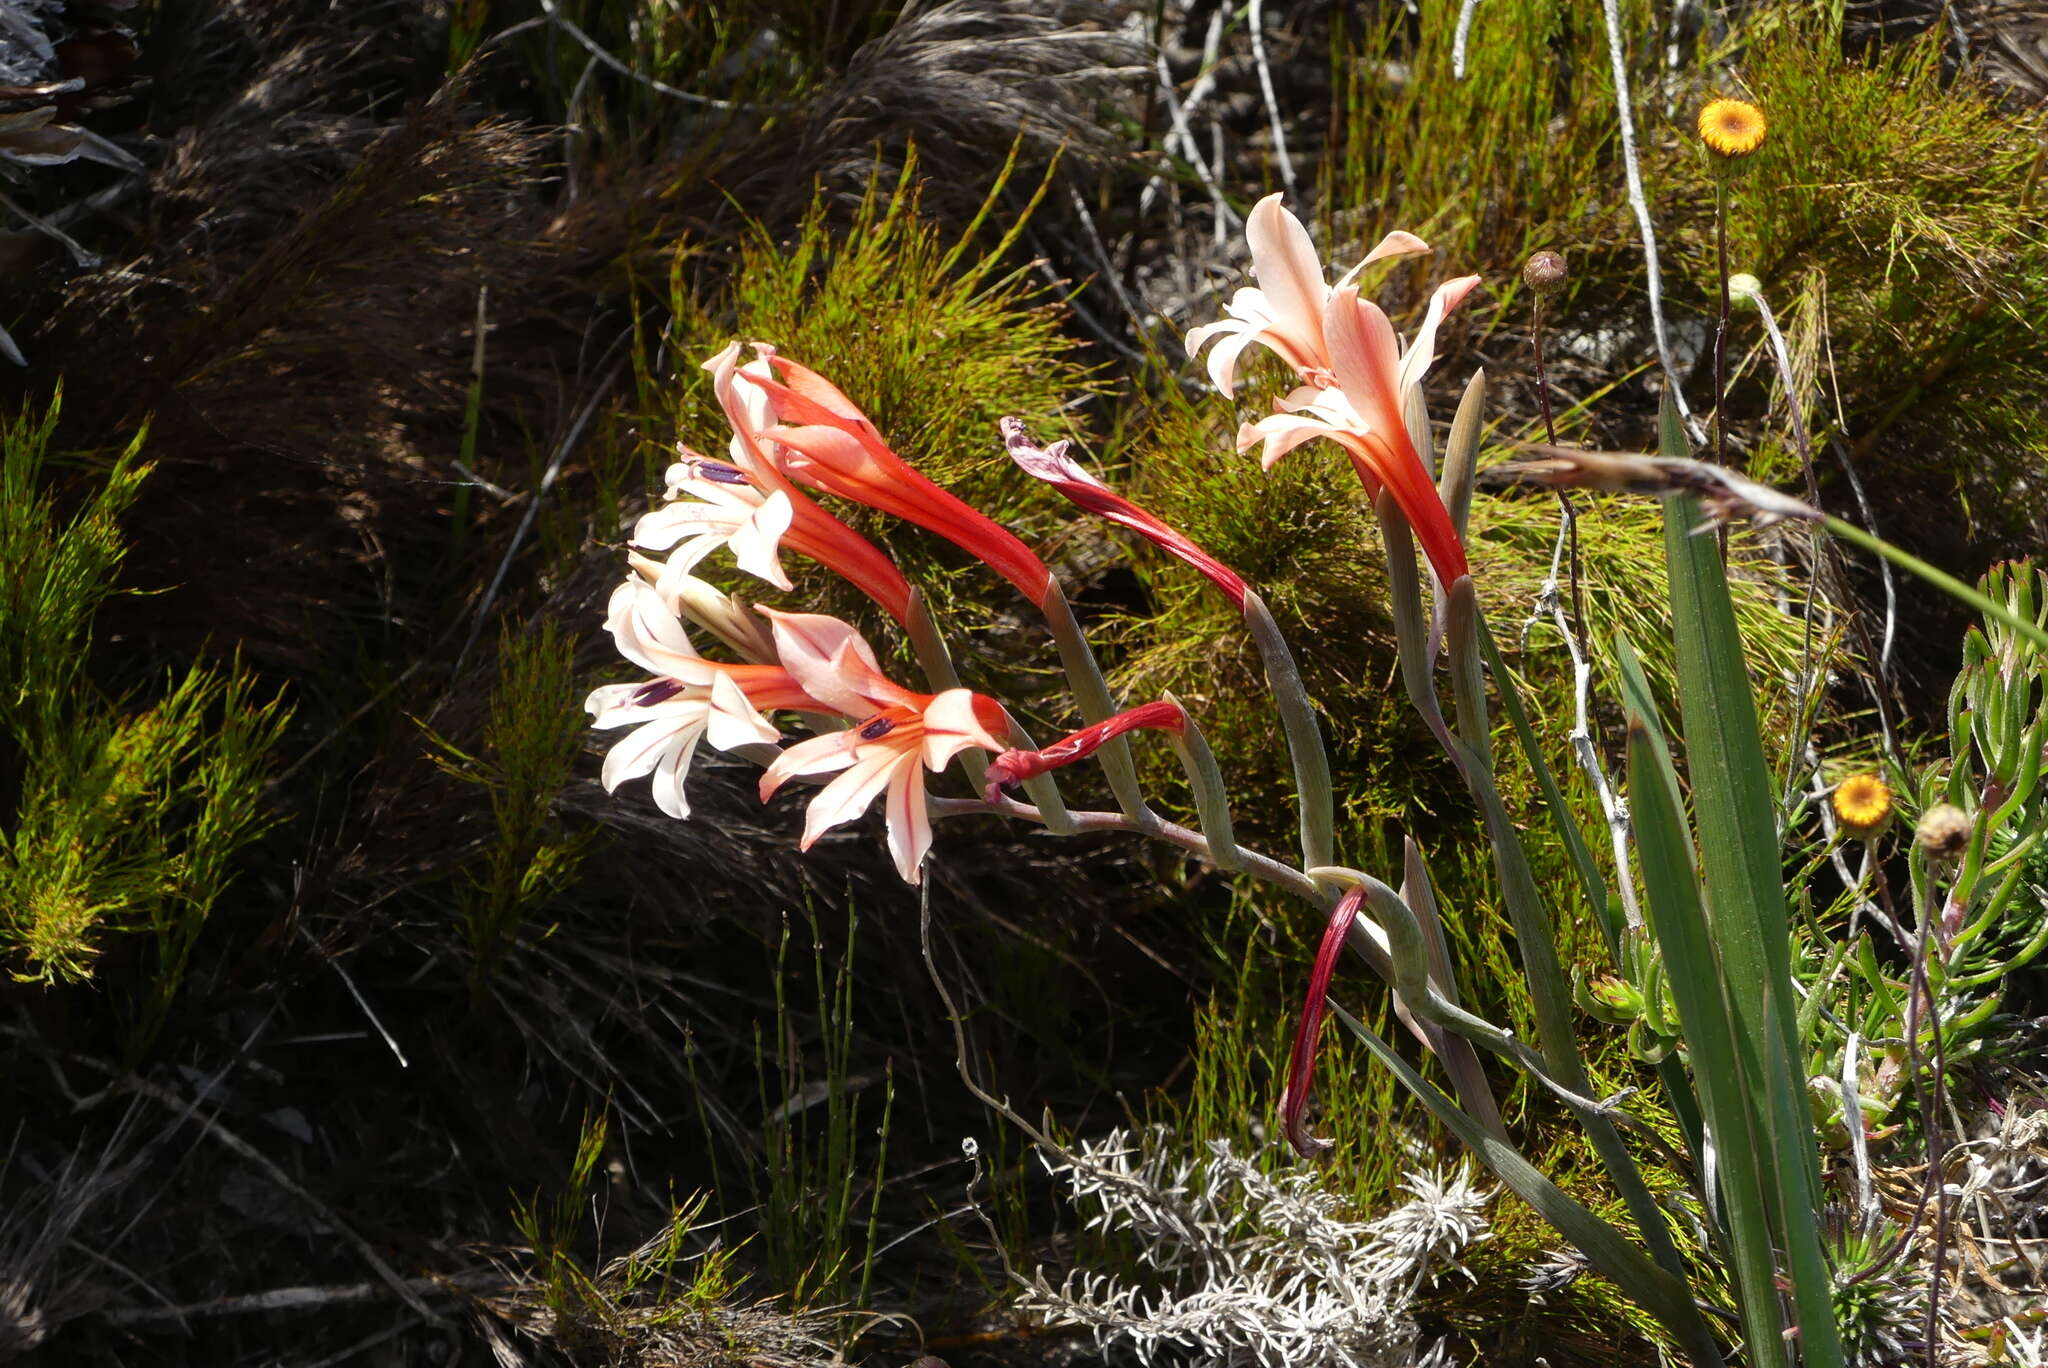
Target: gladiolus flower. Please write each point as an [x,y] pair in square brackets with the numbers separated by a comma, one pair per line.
[810,530]
[690,699]
[902,735]
[1015,766]
[712,504]
[826,442]
[1062,472]
[1301,1066]
[1364,414]
[1284,312]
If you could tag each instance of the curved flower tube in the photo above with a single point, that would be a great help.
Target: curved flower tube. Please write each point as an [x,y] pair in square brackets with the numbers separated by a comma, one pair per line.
[1284,311]
[1062,472]
[902,735]
[1301,1064]
[823,440]
[810,530]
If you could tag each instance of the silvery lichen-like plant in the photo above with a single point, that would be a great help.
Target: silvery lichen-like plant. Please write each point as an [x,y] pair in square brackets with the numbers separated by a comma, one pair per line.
[1241,1266]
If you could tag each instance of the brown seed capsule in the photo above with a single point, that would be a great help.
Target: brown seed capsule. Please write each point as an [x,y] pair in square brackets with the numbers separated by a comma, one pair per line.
[1544,273]
[1944,831]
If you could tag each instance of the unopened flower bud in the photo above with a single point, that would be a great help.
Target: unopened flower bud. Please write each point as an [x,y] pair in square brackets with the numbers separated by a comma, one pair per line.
[1544,273]
[1745,289]
[1944,831]
[1862,805]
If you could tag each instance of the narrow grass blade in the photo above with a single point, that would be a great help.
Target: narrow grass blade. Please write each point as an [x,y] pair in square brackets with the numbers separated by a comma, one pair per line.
[1677,916]
[1660,1293]
[1561,814]
[1741,862]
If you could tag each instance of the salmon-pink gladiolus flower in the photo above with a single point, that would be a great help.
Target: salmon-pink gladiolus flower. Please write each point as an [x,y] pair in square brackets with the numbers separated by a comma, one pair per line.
[901,735]
[1301,1066]
[1365,413]
[1015,766]
[826,442]
[1284,311]
[690,699]
[712,504]
[810,530]
[1062,472]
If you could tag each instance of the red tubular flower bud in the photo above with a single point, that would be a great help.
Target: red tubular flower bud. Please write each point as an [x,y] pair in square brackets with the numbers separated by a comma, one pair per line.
[1301,1067]
[1015,766]
[1056,468]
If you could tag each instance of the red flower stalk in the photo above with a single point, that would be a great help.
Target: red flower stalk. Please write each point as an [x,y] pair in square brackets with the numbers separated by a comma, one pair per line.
[1301,1065]
[828,443]
[1015,766]
[1062,472]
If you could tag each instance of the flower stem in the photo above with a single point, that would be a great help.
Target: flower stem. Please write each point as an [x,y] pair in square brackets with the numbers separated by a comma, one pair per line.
[1092,696]
[1721,328]
[1304,736]
[1940,579]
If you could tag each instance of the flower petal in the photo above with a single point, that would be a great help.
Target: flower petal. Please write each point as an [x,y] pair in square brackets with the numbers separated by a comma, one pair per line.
[607,700]
[651,636]
[643,747]
[910,822]
[1290,275]
[754,542]
[1282,433]
[833,663]
[817,755]
[952,723]
[1223,360]
[674,767]
[731,721]
[1421,352]
[1366,359]
[848,796]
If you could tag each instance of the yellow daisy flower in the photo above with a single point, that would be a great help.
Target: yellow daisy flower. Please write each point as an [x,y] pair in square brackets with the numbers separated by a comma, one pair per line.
[1862,803]
[1732,128]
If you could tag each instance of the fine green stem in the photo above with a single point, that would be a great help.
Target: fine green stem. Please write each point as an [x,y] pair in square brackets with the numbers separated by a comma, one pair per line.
[1092,696]
[1304,735]
[1940,579]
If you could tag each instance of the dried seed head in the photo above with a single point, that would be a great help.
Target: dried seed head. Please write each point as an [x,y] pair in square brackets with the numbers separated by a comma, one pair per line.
[1944,831]
[1863,805]
[1732,128]
[1544,273]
